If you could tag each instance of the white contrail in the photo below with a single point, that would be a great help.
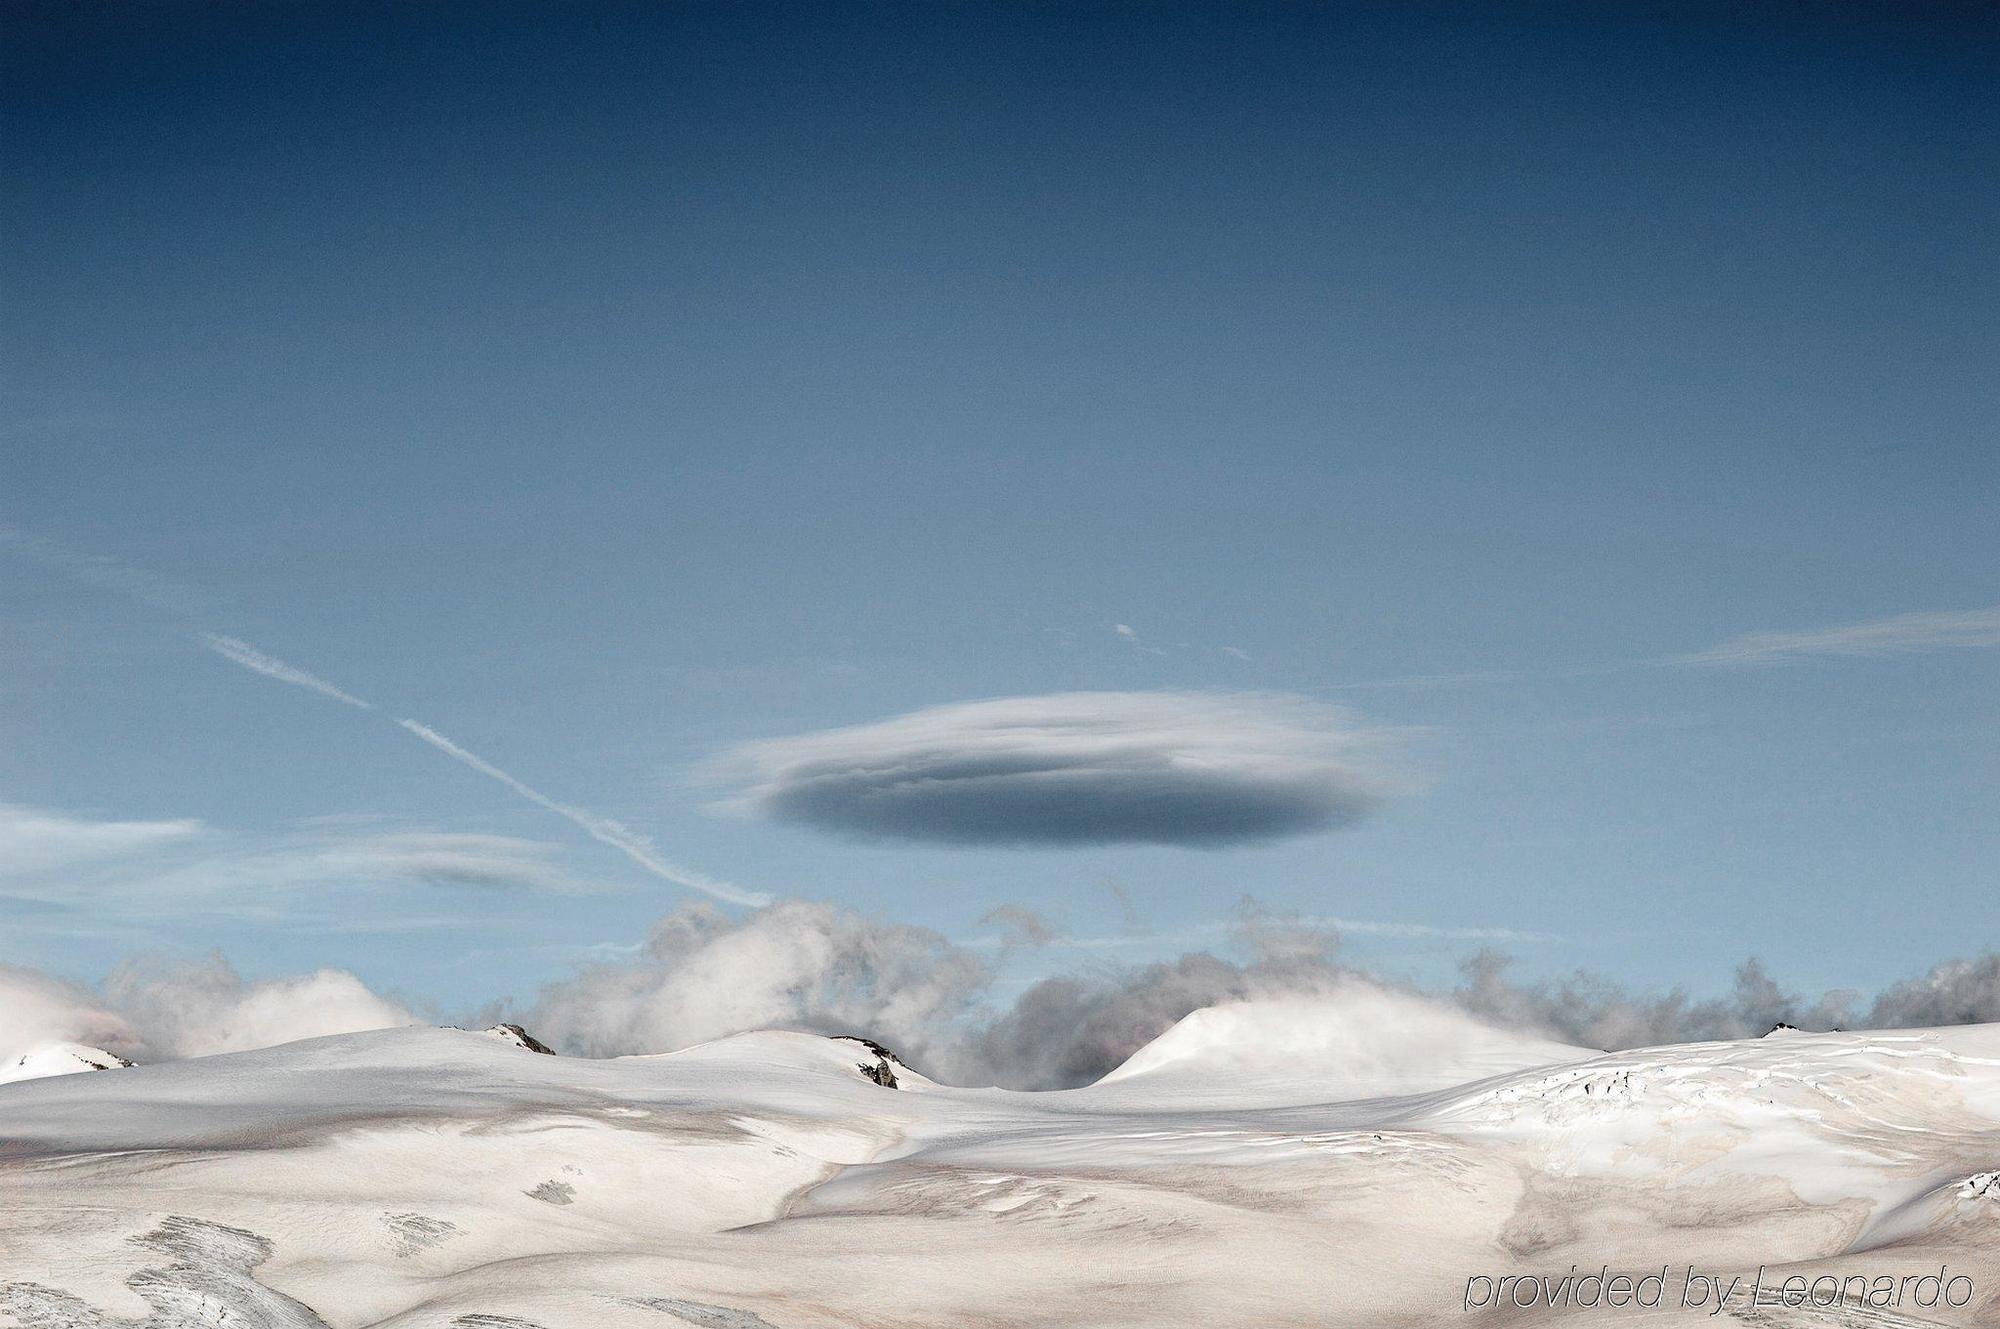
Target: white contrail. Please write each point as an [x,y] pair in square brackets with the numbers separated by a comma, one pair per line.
[270,666]
[602,829]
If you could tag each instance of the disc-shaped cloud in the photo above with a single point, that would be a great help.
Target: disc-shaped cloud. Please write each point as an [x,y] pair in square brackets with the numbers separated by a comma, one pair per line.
[1075,768]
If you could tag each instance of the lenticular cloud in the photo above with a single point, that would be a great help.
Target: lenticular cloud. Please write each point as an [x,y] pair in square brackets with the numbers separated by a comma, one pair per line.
[1183,768]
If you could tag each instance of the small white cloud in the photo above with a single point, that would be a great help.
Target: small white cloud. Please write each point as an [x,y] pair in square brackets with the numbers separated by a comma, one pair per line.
[1235,652]
[1125,630]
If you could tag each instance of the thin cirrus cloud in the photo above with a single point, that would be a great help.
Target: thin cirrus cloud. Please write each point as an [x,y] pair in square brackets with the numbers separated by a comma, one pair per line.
[56,858]
[1080,768]
[1900,634]
[39,840]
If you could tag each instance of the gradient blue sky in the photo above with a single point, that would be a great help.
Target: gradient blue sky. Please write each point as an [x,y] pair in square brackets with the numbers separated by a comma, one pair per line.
[608,386]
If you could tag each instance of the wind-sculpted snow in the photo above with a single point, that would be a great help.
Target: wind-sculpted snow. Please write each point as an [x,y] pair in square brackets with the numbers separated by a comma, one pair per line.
[1340,1162]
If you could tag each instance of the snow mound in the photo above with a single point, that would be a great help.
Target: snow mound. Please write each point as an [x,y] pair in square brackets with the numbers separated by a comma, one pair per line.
[59,1059]
[1357,1041]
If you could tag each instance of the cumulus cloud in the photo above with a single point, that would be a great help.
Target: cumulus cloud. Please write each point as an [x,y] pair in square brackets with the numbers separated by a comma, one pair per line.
[1184,768]
[1897,635]
[155,1009]
[36,840]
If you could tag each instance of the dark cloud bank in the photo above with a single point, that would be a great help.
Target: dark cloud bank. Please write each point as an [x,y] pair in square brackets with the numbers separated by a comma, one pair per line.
[1185,768]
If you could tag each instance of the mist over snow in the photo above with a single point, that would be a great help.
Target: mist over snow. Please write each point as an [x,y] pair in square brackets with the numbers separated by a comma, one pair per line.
[156,1009]
[1187,768]
[36,1008]
[793,965]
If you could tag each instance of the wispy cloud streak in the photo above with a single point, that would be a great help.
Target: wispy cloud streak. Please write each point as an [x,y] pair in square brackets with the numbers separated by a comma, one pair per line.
[105,573]
[270,666]
[1900,634]
[1207,933]
[604,830]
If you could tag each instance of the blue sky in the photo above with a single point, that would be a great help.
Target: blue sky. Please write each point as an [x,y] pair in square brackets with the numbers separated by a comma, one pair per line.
[607,390]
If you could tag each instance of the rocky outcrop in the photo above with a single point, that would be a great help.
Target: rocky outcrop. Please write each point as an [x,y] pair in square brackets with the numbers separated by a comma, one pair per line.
[883,1069]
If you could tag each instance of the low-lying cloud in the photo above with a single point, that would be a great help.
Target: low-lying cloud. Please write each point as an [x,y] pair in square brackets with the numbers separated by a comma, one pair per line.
[823,969]
[1181,768]
[793,965]
[198,1009]
[702,974]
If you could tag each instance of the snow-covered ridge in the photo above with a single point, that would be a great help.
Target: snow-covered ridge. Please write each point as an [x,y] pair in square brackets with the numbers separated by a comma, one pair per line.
[1264,1164]
[513,1035]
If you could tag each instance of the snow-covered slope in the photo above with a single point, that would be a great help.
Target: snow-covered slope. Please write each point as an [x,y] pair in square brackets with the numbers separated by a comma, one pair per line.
[1358,1041]
[58,1059]
[1260,1166]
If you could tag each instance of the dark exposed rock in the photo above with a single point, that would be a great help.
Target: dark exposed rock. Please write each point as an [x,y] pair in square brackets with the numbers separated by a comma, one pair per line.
[883,1071]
